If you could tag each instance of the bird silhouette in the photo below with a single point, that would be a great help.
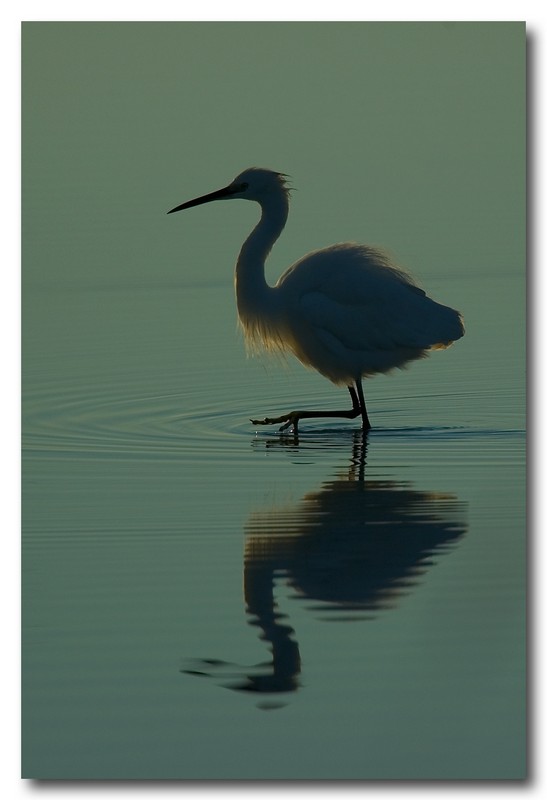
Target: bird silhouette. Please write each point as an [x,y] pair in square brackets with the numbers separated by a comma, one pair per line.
[346,310]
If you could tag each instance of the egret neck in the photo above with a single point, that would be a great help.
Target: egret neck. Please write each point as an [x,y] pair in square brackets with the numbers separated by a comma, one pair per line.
[252,291]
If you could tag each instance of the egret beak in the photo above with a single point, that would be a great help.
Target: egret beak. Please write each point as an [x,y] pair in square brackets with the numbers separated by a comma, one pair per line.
[228,191]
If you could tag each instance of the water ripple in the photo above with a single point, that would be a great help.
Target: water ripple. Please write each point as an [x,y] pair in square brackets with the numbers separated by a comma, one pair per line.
[98,423]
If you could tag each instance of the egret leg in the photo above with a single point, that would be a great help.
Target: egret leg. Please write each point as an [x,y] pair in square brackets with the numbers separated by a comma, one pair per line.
[364,416]
[293,417]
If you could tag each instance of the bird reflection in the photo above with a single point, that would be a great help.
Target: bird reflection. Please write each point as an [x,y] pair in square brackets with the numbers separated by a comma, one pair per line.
[350,550]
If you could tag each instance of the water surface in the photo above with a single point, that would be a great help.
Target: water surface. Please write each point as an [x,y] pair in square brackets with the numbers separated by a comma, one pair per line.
[184,573]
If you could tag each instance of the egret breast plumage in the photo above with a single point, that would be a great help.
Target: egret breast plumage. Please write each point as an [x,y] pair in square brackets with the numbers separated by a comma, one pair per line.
[346,310]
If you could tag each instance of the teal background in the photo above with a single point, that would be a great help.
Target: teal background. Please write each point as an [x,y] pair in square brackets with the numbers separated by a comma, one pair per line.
[169,548]
[411,135]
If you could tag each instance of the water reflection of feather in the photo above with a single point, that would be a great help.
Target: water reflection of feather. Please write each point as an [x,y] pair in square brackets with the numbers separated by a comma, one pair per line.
[353,548]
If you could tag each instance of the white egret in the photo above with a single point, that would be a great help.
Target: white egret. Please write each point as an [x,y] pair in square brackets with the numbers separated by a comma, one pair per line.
[345,310]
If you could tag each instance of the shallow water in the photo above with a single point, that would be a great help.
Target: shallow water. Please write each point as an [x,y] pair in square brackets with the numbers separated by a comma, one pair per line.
[184,572]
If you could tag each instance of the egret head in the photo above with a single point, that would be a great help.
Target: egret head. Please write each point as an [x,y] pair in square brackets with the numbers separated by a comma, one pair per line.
[252,184]
[255,183]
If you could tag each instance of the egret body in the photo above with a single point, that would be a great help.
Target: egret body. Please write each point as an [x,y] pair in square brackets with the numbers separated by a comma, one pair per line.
[345,310]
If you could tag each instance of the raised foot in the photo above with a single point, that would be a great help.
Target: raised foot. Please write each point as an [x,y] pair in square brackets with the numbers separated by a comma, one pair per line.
[286,419]
[294,417]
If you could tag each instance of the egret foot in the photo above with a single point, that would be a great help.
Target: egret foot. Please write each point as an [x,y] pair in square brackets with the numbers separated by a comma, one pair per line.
[287,420]
[293,417]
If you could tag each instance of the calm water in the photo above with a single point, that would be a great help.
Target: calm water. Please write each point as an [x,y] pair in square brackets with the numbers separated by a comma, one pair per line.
[203,600]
